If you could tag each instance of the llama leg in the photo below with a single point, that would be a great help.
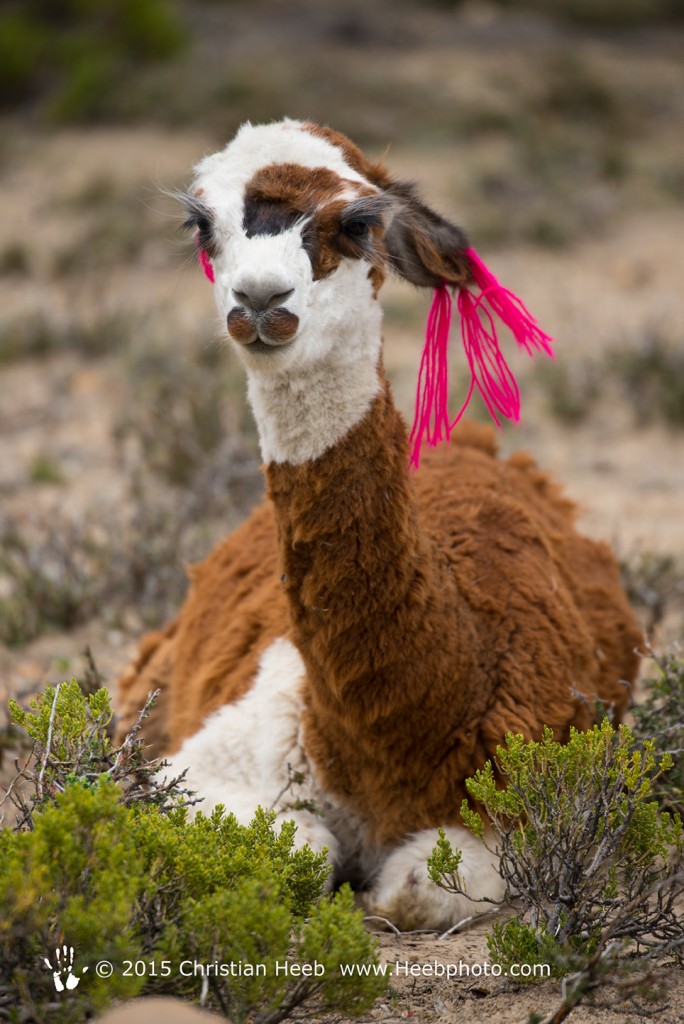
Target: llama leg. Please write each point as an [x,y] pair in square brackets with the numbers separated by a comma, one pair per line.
[404,894]
[249,754]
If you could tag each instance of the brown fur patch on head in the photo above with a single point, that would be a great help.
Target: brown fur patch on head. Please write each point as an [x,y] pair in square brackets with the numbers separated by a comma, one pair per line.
[281,195]
[376,173]
[424,247]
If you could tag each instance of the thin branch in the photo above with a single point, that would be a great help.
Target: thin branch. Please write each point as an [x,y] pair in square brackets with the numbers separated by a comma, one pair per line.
[392,927]
[46,753]
[135,729]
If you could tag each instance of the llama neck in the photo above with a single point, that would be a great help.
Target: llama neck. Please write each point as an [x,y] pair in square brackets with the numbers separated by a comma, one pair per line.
[302,414]
[367,596]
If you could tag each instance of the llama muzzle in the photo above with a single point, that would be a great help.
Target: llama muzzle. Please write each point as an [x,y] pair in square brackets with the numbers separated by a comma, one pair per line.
[267,328]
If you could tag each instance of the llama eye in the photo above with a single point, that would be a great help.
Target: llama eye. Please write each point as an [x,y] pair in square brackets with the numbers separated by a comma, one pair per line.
[356,228]
[198,219]
[200,223]
[203,227]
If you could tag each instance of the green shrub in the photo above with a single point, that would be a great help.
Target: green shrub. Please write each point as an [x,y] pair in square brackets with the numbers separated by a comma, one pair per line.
[57,575]
[660,720]
[593,865]
[103,867]
[69,729]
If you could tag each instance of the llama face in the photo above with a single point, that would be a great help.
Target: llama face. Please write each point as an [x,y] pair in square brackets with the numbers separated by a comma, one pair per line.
[294,230]
[299,228]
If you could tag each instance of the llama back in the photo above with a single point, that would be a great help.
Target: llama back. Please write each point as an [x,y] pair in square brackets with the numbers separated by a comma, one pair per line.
[506,642]
[504,522]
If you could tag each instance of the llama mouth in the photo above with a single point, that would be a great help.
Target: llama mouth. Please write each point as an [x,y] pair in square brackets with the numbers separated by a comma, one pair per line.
[259,347]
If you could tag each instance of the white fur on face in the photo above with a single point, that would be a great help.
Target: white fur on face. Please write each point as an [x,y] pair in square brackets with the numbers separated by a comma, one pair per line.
[309,393]
[331,382]
[282,260]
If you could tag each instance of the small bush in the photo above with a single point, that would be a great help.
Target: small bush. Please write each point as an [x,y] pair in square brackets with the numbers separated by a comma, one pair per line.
[68,728]
[654,583]
[652,375]
[188,419]
[571,389]
[592,863]
[660,721]
[107,864]
[54,576]
[59,571]
[177,410]
[38,335]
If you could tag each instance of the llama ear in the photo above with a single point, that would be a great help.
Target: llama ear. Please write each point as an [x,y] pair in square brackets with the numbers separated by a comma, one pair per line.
[423,247]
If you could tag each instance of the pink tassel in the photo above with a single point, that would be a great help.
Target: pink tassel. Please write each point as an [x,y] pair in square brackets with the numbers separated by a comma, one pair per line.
[510,309]
[489,371]
[205,263]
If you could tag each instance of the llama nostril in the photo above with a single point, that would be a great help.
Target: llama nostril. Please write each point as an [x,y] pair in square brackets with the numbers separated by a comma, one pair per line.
[279,298]
[260,299]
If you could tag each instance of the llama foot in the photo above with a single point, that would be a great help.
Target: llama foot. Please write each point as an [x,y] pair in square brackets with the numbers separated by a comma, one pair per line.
[404,893]
[311,831]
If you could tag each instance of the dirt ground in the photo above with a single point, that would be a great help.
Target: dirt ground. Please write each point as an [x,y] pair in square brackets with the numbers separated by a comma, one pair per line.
[62,449]
[489,1000]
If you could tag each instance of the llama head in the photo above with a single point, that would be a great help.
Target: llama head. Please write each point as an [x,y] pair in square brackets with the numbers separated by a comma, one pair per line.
[300,229]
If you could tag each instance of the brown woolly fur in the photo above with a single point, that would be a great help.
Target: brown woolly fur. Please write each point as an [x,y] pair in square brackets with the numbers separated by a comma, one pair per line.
[152,670]
[459,600]
[483,612]
[375,172]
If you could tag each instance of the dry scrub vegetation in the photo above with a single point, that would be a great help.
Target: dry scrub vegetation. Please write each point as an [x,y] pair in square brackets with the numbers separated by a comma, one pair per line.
[551,131]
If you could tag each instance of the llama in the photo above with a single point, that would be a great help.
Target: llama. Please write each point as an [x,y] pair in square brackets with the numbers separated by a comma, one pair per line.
[360,645]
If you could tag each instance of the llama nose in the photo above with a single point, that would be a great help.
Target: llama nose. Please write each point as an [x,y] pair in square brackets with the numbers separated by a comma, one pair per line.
[258,296]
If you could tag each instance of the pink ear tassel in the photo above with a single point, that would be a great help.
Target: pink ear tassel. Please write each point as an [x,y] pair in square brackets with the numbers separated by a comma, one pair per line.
[489,371]
[205,263]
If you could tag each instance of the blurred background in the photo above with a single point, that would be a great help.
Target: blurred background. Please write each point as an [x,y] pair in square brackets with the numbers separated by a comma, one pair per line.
[551,130]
